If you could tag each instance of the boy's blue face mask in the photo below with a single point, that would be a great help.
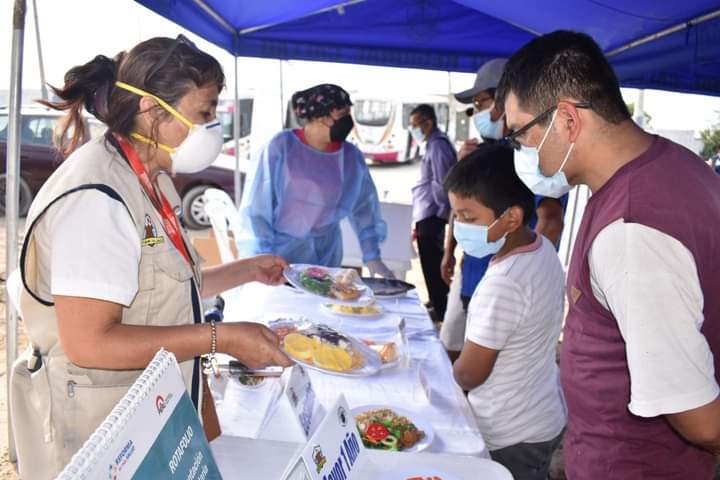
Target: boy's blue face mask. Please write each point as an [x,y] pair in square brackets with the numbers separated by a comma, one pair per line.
[473,239]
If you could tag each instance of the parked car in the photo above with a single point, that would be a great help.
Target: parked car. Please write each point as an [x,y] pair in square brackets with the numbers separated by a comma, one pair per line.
[39,159]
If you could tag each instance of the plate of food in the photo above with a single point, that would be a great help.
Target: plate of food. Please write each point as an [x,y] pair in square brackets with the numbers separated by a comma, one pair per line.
[387,287]
[341,285]
[420,474]
[370,310]
[392,429]
[320,347]
[388,352]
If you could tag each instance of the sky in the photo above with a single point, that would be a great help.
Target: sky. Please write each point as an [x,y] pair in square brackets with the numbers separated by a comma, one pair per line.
[68,38]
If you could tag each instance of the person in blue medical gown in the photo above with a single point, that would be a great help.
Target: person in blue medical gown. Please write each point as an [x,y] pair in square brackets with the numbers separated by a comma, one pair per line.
[305,181]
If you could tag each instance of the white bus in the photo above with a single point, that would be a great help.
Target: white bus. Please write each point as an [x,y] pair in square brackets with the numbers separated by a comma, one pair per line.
[381,126]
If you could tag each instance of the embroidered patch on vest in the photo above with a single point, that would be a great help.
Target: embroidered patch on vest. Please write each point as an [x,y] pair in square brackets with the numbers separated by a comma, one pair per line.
[575,294]
[151,237]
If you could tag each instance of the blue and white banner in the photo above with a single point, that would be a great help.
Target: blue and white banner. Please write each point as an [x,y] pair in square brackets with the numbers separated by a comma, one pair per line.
[334,452]
[153,432]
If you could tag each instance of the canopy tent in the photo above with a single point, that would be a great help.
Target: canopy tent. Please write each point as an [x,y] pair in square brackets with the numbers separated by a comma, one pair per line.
[662,44]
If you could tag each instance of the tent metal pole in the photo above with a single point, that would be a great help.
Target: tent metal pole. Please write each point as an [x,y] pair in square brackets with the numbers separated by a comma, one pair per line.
[640,109]
[236,135]
[43,84]
[12,181]
[340,7]
[665,33]
[282,97]
[572,227]
[216,16]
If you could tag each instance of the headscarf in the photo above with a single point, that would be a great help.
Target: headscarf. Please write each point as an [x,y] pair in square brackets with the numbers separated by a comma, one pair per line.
[319,101]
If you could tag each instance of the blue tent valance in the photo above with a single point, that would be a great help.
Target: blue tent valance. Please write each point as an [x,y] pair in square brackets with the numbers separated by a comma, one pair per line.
[663,44]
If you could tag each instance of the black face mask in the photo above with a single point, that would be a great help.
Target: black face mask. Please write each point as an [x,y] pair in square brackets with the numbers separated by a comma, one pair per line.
[341,128]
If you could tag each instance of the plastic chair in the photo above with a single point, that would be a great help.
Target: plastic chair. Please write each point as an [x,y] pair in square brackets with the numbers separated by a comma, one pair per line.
[225,221]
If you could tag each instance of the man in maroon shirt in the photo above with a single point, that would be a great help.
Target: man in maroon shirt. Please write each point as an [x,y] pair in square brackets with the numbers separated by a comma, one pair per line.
[641,351]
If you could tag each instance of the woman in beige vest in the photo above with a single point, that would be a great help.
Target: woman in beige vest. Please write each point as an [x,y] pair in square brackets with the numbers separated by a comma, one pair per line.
[109,276]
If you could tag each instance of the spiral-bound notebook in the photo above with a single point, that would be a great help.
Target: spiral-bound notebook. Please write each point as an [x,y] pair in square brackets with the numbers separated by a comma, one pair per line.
[153,432]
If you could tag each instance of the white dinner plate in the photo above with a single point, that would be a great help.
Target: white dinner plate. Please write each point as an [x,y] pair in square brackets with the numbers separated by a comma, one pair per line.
[419,474]
[420,422]
[292,274]
[373,363]
[380,310]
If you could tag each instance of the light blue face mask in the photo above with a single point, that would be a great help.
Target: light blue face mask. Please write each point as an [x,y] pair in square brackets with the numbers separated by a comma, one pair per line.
[527,166]
[486,126]
[417,134]
[473,239]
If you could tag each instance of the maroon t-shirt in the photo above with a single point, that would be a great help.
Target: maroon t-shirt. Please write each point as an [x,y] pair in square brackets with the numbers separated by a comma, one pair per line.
[670,189]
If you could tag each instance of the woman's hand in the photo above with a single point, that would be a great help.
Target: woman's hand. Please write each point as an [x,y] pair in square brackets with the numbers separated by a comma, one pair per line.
[267,269]
[253,344]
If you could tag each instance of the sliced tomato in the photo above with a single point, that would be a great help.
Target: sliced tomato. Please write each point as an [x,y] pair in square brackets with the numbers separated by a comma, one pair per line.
[376,432]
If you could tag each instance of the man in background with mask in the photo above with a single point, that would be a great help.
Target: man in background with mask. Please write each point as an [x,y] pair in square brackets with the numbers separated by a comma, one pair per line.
[305,181]
[431,207]
[640,359]
[489,121]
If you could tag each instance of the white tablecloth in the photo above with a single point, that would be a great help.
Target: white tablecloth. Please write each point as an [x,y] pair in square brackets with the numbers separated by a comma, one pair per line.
[267,460]
[441,402]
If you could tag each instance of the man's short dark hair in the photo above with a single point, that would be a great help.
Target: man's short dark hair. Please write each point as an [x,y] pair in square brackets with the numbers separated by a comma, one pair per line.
[559,65]
[488,176]
[426,112]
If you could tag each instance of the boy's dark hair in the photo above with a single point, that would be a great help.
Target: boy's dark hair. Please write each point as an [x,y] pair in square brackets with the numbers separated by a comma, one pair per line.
[426,112]
[488,176]
[563,64]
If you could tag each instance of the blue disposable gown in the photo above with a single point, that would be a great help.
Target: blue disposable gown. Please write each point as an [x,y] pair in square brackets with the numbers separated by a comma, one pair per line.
[296,196]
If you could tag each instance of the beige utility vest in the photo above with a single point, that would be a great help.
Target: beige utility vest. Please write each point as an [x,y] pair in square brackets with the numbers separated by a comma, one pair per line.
[55,408]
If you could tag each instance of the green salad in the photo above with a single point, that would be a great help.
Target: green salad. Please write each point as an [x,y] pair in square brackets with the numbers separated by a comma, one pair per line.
[383,429]
[316,280]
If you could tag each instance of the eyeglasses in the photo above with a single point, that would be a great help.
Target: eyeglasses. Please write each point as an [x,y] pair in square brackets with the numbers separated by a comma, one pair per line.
[511,139]
[181,39]
[482,103]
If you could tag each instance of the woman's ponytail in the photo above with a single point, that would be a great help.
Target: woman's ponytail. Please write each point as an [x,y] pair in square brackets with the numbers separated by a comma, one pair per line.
[86,86]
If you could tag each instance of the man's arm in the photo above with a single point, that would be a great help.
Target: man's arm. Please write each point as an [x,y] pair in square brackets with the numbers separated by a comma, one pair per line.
[550,221]
[649,281]
[442,157]
[447,265]
[700,426]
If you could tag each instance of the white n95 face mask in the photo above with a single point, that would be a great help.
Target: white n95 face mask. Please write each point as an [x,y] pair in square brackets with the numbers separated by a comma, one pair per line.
[527,166]
[199,149]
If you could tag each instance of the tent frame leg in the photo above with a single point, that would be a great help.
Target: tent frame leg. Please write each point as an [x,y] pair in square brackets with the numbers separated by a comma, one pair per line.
[12,181]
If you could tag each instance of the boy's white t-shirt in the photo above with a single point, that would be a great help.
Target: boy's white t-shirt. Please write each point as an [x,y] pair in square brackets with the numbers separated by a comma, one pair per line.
[517,309]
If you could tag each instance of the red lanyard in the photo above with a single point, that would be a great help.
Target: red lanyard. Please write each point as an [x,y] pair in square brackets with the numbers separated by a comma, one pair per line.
[161,204]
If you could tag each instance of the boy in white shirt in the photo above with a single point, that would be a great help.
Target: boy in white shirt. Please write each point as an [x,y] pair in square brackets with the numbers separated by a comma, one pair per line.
[514,317]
